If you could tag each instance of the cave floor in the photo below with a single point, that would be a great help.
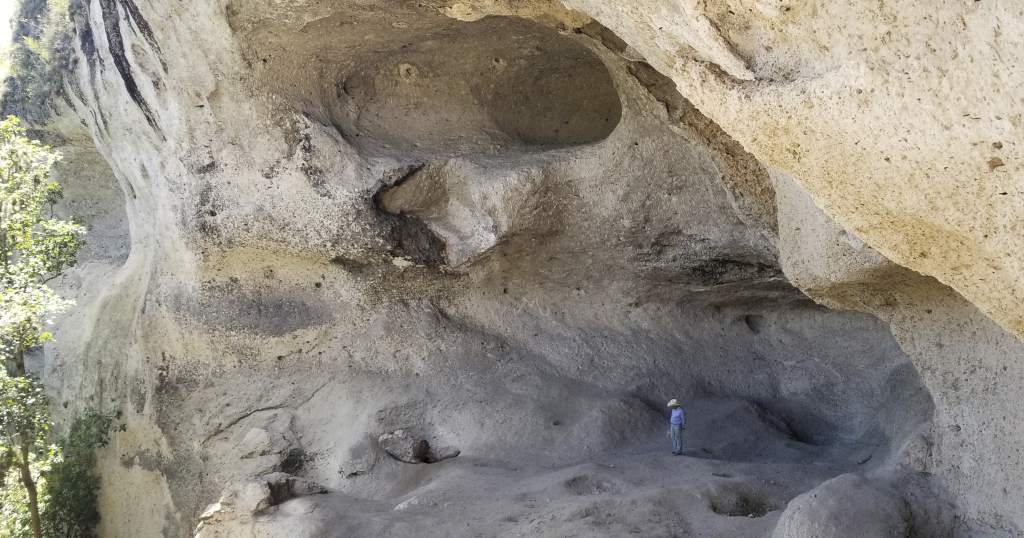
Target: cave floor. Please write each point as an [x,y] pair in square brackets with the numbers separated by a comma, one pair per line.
[644,494]
[730,482]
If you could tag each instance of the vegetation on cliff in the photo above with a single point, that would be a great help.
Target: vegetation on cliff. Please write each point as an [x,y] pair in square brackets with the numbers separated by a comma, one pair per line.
[35,247]
[40,54]
[44,488]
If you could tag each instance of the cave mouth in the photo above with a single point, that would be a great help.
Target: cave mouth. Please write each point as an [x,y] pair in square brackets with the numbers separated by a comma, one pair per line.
[493,86]
[419,90]
[548,361]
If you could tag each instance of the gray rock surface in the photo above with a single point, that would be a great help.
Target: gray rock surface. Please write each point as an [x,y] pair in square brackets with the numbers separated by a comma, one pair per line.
[522,228]
[408,448]
[971,366]
[845,506]
[241,502]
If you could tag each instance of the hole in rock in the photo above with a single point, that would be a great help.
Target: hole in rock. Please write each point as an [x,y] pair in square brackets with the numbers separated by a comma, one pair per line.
[293,462]
[491,86]
[412,238]
[739,501]
[587,485]
[754,322]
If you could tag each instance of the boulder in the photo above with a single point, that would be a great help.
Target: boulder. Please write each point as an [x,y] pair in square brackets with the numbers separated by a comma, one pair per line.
[847,506]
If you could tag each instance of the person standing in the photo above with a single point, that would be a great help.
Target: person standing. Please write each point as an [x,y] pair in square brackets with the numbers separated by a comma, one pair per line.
[675,426]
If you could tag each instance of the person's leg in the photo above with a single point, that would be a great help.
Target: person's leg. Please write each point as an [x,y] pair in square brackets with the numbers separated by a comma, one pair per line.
[677,439]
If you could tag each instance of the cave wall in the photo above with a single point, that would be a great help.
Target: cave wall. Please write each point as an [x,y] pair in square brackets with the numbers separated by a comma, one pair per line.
[898,118]
[313,259]
[971,365]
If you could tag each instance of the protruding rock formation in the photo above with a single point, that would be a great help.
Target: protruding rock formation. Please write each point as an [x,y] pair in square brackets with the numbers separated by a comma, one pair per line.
[522,227]
[847,505]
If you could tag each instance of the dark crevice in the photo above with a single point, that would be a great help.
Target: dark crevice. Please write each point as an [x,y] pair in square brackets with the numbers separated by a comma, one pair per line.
[293,462]
[139,22]
[87,43]
[738,502]
[100,120]
[112,27]
[719,271]
[86,39]
[409,236]
[754,322]
[76,91]
[399,176]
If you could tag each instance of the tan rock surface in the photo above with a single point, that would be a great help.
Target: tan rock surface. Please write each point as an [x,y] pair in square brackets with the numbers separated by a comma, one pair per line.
[901,119]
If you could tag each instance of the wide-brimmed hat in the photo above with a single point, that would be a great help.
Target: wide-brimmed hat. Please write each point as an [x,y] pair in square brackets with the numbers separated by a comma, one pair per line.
[673,403]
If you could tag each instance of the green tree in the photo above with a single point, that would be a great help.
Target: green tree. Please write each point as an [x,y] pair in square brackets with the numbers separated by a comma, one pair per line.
[35,248]
[24,423]
[64,475]
[39,56]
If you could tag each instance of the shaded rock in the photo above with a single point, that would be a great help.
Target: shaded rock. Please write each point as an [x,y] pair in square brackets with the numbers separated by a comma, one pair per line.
[240,502]
[258,494]
[362,458]
[407,448]
[607,235]
[845,506]
[399,445]
[444,453]
[471,217]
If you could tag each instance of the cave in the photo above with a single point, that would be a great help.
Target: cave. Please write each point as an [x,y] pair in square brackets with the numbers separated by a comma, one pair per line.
[338,232]
[562,255]
[504,85]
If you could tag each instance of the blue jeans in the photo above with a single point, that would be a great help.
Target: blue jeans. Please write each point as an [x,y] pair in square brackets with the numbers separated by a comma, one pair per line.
[677,438]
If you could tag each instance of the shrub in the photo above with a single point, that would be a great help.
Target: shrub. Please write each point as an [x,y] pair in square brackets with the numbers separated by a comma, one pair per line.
[71,484]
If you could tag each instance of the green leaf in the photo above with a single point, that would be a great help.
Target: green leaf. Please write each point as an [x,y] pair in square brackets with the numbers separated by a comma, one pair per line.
[34,247]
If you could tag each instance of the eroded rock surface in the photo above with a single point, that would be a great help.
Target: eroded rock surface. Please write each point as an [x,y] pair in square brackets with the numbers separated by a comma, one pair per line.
[240,503]
[847,96]
[847,505]
[522,227]
[405,447]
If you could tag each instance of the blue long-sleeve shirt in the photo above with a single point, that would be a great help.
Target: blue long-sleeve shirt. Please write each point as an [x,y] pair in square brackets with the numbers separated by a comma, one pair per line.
[678,418]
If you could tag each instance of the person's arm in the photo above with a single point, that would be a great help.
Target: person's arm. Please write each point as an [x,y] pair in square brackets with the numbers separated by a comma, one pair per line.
[682,417]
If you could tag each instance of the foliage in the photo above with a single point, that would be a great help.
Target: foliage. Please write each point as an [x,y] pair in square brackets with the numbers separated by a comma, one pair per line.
[24,424]
[39,56]
[34,247]
[24,412]
[14,515]
[72,487]
[65,473]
